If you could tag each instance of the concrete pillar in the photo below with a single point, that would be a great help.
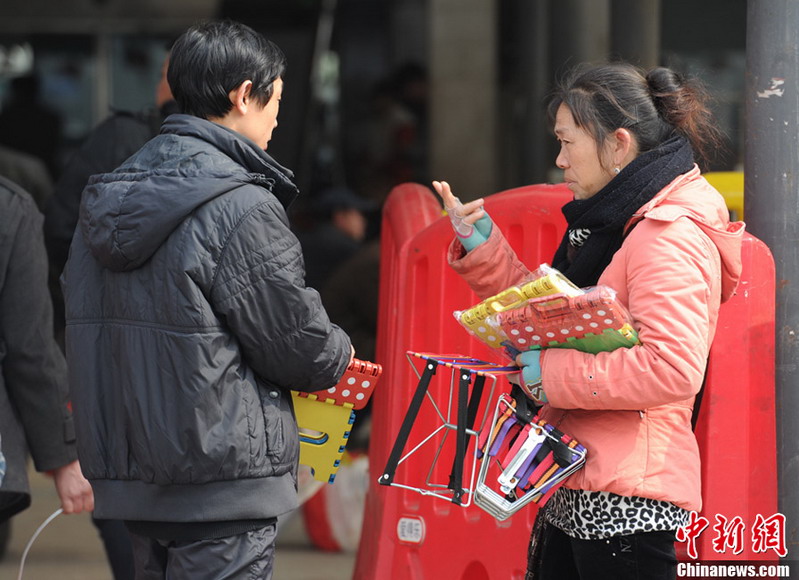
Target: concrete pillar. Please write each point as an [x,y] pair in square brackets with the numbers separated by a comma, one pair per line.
[635,26]
[463,95]
[771,207]
[526,132]
[408,29]
[580,33]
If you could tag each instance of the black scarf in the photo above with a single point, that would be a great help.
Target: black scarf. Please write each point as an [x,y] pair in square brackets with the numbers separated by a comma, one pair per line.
[596,224]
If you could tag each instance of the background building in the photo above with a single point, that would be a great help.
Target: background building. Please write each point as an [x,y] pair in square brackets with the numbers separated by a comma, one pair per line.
[477,111]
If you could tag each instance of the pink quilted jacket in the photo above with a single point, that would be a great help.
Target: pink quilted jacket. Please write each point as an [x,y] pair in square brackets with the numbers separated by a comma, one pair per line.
[631,408]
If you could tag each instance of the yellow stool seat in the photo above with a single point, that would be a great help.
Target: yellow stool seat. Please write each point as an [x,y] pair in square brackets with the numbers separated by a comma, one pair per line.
[325,418]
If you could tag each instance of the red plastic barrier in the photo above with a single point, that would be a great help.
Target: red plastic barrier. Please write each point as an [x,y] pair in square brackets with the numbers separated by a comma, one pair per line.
[736,429]
[410,536]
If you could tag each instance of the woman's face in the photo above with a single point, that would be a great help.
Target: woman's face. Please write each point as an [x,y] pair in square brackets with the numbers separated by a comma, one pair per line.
[579,157]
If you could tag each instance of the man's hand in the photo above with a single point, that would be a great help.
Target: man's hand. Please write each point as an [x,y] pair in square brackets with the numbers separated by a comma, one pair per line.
[73,489]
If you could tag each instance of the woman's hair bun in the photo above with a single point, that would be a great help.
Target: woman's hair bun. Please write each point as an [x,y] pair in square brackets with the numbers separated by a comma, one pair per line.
[684,104]
[663,81]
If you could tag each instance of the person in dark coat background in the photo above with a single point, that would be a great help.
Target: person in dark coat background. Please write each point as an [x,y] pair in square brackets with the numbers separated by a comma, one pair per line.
[28,125]
[189,322]
[339,229]
[106,147]
[28,172]
[35,416]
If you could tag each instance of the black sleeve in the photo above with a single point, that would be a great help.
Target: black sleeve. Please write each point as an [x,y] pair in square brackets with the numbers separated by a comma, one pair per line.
[34,370]
[282,327]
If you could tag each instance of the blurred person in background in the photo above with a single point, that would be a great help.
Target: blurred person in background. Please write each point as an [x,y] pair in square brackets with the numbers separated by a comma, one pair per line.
[350,295]
[391,139]
[104,149]
[35,414]
[27,125]
[338,229]
[28,172]
[341,261]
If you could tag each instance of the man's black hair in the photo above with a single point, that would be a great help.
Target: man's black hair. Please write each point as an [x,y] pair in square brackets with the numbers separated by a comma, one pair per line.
[212,58]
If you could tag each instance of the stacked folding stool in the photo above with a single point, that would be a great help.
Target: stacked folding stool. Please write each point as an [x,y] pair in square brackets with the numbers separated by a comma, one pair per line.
[523,459]
[325,418]
[457,413]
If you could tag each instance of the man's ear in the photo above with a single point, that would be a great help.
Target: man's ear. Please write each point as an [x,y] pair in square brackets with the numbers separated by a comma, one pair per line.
[241,97]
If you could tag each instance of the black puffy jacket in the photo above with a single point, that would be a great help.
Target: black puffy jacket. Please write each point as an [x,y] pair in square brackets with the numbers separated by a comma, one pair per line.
[188,322]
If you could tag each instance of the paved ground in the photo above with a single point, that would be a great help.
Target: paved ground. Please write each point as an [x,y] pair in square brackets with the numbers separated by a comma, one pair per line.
[69,548]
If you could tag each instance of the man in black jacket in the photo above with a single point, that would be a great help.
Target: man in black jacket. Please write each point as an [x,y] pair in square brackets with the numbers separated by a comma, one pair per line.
[189,322]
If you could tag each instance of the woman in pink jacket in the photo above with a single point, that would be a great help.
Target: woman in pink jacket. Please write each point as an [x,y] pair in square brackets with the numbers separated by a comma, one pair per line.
[647,224]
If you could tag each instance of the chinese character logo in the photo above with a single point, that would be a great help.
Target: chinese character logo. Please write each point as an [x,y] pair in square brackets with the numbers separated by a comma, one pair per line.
[769,534]
[691,531]
[729,535]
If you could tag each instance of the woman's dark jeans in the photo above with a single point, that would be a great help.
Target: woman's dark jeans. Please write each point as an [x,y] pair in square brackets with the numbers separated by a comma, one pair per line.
[643,556]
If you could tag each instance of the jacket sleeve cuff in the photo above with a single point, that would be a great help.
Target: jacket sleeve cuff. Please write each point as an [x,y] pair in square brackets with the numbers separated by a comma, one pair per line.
[490,267]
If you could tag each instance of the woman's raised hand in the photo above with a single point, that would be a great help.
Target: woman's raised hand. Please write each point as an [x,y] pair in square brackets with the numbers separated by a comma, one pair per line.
[469,220]
[467,212]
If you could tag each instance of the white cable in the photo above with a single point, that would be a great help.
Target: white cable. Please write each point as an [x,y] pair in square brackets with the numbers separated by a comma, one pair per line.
[33,537]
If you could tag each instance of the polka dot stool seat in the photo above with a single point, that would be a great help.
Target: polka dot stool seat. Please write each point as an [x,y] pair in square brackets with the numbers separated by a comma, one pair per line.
[325,418]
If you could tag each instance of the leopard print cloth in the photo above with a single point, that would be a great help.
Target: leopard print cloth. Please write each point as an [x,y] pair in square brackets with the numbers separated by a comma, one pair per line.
[595,515]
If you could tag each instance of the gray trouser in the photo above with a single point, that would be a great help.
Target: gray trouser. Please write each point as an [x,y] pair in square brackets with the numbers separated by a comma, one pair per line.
[247,556]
